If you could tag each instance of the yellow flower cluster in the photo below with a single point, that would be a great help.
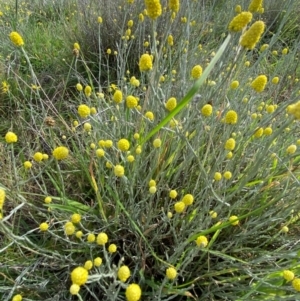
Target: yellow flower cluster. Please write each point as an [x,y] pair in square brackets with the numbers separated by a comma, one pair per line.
[2,199]
[119,171]
[171,104]
[255,5]
[133,292]
[60,153]
[294,110]
[196,72]
[123,145]
[11,137]
[171,273]
[102,239]
[131,102]
[123,273]
[118,96]
[230,144]
[79,276]
[259,83]
[250,38]
[240,21]
[234,85]
[17,298]
[234,220]
[201,241]
[288,275]
[231,117]
[145,63]
[174,5]
[170,40]
[83,111]
[153,8]
[16,39]
[296,284]
[206,110]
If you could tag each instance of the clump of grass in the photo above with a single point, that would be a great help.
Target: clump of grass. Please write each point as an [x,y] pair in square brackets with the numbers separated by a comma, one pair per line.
[168,171]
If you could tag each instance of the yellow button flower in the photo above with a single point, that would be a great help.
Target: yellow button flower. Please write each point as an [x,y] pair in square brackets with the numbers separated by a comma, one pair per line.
[123,273]
[79,276]
[11,137]
[16,39]
[60,153]
[145,63]
[133,292]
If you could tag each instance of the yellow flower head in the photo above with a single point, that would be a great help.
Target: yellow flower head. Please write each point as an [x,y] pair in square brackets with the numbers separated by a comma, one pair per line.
[179,206]
[227,175]
[294,110]
[296,284]
[79,276]
[153,8]
[230,144]
[201,241]
[240,21]
[69,228]
[133,292]
[123,145]
[76,218]
[170,40]
[83,111]
[102,238]
[238,9]
[157,143]
[174,5]
[17,298]
[250,38]
[79,87]
[291,149]
[123,273]
[76,46]
[88,91]
[27,164]
[255,5]
[234,85]
[60,153]
[259,132]
[217,176]
[149,115]
[259,83]
[173,194]
[131,102]
[118,96]
[74,289]
[171,273]
[206,110]
[119,171]
[171,104]
[145,63]
[188,199]
[234,220]
[2,198]
[38,157]
[231,117]
[91,237]
[16,39]
[97,261]
[44,227]
[112,248]
[288,275]
[196,72]
[11,137]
